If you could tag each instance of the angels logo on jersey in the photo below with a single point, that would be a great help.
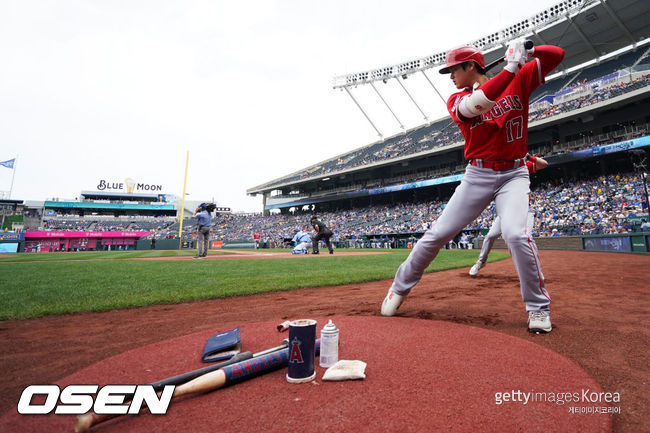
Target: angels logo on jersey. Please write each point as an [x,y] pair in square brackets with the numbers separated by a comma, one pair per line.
[296,354]
[501,107]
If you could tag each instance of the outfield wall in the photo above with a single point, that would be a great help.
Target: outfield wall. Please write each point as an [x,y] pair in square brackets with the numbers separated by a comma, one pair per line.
[172,244]
[619,242]
[61,240]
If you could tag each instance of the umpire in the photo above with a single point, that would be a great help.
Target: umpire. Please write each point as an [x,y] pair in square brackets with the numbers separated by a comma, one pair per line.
[202,214]
[322,232]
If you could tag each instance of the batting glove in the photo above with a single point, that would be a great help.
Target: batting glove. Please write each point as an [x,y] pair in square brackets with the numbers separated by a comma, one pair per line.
[516,56]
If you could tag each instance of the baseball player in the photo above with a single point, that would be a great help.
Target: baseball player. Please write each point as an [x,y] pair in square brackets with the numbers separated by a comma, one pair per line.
[322,232]
[534,164]
[204,220]
[301,242]
[492,115]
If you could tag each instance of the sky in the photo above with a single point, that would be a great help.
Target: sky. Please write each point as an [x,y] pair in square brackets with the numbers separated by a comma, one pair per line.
[107,90]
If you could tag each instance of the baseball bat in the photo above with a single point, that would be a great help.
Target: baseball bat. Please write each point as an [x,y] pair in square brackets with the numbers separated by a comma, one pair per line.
[213,380]
[186,377]
[528,44]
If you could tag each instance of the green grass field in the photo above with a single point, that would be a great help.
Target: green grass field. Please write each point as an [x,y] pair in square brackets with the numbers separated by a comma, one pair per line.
[35,285]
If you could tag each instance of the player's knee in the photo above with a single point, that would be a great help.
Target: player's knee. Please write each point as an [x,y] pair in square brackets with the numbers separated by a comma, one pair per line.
[514,236]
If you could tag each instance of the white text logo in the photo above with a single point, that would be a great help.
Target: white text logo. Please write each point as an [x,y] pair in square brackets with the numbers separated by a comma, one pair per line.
[80,399]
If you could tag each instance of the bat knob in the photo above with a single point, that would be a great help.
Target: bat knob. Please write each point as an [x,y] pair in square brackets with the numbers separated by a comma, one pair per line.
[83,423]
[528,44]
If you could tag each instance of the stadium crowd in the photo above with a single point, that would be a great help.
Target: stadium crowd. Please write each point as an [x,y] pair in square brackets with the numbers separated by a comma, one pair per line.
[604,205]
[611,204]
[591,96]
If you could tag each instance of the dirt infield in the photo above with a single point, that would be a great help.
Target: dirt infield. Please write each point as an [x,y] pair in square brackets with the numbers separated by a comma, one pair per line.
[599,311]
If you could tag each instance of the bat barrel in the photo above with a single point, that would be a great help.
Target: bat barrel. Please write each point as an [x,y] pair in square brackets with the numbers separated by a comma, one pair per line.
[260,365]
[186,377]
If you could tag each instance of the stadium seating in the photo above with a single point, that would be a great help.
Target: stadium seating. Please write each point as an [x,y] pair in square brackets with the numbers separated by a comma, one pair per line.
[444,133]
[612,204]
[540,111]
[593,206]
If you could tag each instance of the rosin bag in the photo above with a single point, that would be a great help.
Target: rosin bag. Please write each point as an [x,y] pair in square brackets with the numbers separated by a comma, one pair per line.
[222,346]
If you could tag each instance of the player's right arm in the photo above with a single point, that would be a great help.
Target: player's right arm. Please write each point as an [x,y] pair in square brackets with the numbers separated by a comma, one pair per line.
[549,57]
[533,74]
[535,163]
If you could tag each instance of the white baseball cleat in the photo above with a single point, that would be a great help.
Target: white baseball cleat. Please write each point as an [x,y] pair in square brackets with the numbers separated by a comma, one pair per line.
[391,303]
[477,267]
[539,322]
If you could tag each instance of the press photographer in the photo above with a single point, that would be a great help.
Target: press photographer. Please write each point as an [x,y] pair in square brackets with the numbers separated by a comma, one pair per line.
[203,214]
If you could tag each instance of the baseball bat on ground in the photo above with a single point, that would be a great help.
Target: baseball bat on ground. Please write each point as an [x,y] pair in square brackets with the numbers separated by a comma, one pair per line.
[212,380]
[186,377]
[527,44]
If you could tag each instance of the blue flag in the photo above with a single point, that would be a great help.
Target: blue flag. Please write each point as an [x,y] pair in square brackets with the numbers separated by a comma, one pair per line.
[8,163]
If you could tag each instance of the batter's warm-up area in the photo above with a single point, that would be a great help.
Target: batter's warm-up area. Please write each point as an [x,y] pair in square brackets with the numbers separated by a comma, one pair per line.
[421,375]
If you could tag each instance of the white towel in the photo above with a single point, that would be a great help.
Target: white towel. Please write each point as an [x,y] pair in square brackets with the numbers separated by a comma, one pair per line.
[346,370]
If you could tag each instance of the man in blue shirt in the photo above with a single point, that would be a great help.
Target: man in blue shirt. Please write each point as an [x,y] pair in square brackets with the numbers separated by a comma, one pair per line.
[204,219]
[302,242]
[645,226]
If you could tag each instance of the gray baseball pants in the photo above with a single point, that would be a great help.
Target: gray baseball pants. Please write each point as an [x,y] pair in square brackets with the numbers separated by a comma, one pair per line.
[509,189]
[204,240]
[495,232]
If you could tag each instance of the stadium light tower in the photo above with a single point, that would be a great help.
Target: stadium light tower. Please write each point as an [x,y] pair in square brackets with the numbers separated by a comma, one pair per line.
[387,106]
[401,83]
[491,44]
[364,113]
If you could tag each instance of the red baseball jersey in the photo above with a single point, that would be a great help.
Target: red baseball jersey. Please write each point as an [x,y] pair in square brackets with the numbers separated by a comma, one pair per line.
[501,134]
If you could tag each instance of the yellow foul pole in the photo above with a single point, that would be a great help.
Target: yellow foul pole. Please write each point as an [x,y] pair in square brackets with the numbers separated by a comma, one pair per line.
[180,228]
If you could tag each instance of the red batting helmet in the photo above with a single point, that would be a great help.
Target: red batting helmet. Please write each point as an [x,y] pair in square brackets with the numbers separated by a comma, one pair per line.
[462,55]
